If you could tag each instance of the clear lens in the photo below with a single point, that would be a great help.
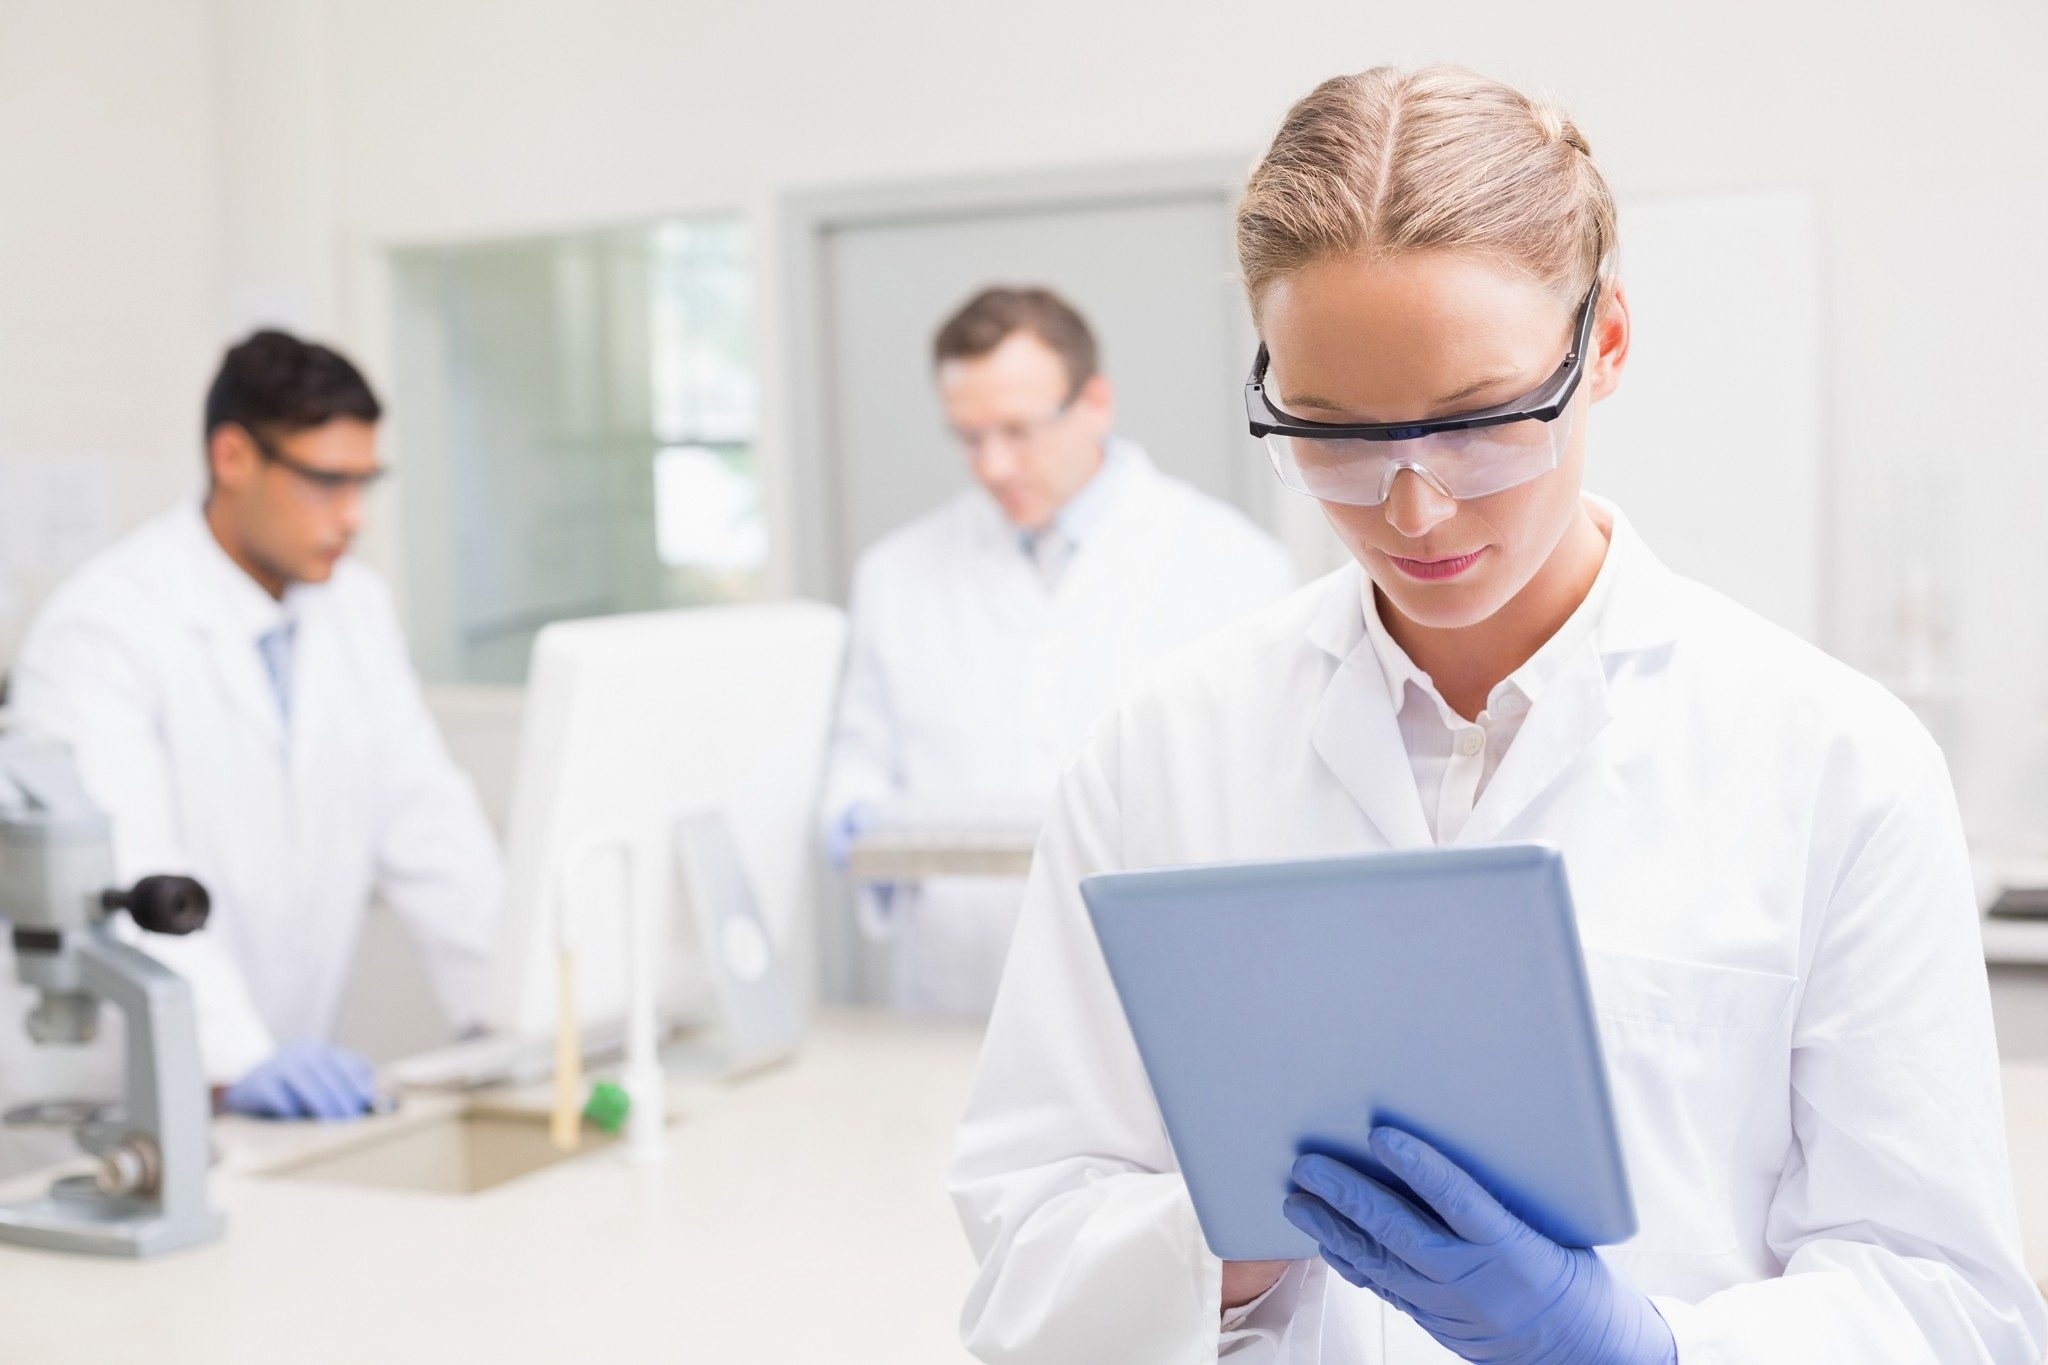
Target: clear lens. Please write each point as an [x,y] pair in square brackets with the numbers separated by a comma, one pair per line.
[1463,464]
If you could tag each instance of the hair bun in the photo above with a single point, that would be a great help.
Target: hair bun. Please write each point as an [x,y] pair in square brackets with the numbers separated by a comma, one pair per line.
[1557,128]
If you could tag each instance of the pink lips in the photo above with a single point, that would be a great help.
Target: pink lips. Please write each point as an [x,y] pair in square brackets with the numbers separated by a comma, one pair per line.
[1436,570]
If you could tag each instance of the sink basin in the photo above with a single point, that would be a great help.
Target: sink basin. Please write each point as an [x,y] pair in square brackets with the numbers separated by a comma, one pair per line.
[458,1153]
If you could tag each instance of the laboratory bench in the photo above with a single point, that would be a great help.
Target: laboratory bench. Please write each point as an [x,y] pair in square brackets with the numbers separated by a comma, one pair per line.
[799,1217]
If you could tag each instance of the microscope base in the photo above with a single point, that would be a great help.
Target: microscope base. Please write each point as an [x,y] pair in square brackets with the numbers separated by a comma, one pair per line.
[75,1216]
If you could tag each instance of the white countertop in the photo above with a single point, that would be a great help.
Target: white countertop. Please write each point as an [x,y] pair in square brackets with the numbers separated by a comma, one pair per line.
[800,1218]
[2026,1136]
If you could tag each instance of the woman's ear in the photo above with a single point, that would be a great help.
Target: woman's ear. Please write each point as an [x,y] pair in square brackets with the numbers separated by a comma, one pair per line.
[1609,342]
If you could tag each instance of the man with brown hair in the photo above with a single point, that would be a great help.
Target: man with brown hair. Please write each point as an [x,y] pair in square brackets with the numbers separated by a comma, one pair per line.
[991,632]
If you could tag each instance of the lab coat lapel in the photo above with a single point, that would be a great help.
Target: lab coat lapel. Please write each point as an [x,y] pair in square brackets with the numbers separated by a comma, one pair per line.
[214,605]
[1110,557]
[1007,584]
[1640,618]
[1355,731]
[238,667]
[319,741]
[1558,729]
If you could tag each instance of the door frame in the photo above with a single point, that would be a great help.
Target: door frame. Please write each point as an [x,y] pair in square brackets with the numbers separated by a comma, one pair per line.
[809,217]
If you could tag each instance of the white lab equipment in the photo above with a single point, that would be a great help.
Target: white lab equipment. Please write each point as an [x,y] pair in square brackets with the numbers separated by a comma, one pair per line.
[146,661]
[1782,945]
[909,840]
[668,777]
[969,681]
[149,1192]
[639,946]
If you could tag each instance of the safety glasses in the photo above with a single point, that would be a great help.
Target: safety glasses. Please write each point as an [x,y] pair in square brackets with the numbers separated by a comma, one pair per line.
[1471,455]
[1015,434]
[327,485]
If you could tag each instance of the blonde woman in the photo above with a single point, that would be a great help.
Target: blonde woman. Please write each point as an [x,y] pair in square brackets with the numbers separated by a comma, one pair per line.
[1764,846]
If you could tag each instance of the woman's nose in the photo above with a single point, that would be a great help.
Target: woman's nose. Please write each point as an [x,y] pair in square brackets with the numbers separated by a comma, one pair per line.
[1415,506]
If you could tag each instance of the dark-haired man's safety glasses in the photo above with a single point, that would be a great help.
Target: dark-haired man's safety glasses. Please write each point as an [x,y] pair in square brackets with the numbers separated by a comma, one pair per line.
[1467,456]
[328,483]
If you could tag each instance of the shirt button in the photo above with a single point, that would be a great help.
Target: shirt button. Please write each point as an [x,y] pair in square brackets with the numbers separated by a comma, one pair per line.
[1470,742]
[1510,703]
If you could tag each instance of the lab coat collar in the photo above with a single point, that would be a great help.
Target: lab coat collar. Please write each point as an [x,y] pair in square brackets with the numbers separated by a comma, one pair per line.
[1097,499]
[1356,731]
[1639,613]
[223,603]
[217,594]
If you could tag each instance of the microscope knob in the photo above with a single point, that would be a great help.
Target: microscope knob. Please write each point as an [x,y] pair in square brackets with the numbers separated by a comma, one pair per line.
[163,905]
[132,1167]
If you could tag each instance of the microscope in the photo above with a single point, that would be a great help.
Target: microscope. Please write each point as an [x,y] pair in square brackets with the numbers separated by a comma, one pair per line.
[153,1149]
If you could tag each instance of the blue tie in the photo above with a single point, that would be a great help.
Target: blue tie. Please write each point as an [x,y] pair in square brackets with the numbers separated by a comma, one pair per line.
[275,645]
[1049,551]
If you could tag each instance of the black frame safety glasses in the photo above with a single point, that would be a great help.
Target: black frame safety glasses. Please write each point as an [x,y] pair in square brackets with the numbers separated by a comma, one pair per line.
[325,480]
[1543,405]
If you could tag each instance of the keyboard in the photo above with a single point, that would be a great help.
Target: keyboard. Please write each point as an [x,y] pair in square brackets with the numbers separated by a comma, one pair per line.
[498,1058]
[2020,902]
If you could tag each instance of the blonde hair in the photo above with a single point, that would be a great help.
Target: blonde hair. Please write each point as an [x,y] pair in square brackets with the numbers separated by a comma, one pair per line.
[1388,162]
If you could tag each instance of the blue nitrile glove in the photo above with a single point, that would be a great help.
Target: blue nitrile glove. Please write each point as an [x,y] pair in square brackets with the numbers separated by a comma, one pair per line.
[873,906]
[305,1081]
[1481,1281]
[847,828]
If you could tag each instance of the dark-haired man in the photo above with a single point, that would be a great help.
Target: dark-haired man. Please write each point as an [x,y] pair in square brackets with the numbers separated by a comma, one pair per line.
[240,701]
[990,633]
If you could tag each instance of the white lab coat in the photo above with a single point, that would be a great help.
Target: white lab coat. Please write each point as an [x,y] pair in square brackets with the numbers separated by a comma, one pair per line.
[1773,893]
[969,683]
[146,662]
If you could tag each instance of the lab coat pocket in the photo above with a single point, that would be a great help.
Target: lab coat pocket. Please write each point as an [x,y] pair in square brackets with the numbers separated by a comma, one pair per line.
[1688,1047]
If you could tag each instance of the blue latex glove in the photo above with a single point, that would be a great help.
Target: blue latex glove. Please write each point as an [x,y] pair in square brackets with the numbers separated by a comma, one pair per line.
[874,907]
[839,839]
[305,1081]
[1481,1281]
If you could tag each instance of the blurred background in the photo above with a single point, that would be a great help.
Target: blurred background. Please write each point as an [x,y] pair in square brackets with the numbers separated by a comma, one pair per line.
[649,287]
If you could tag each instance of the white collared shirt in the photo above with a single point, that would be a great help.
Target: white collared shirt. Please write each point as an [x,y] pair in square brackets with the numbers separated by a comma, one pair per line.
[1455,758]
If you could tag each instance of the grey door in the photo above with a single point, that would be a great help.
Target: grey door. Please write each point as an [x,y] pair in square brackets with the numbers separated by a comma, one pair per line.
[1149,265]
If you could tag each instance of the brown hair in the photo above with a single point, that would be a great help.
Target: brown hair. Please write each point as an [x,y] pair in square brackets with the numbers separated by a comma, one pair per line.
[1436,159]
[991,317]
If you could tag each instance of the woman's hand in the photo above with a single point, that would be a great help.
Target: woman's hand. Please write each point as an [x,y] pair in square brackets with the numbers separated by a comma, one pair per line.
[1244,1281]
[1481,1281]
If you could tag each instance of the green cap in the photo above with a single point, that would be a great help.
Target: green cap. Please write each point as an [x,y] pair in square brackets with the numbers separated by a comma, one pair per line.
[607,1107]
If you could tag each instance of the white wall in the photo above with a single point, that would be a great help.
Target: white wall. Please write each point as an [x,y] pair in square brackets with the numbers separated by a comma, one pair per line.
[109,246]
[191,167]
[1916,126]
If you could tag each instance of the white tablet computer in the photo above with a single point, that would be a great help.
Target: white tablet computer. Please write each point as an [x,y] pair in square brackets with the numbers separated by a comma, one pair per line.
[1288,1007]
